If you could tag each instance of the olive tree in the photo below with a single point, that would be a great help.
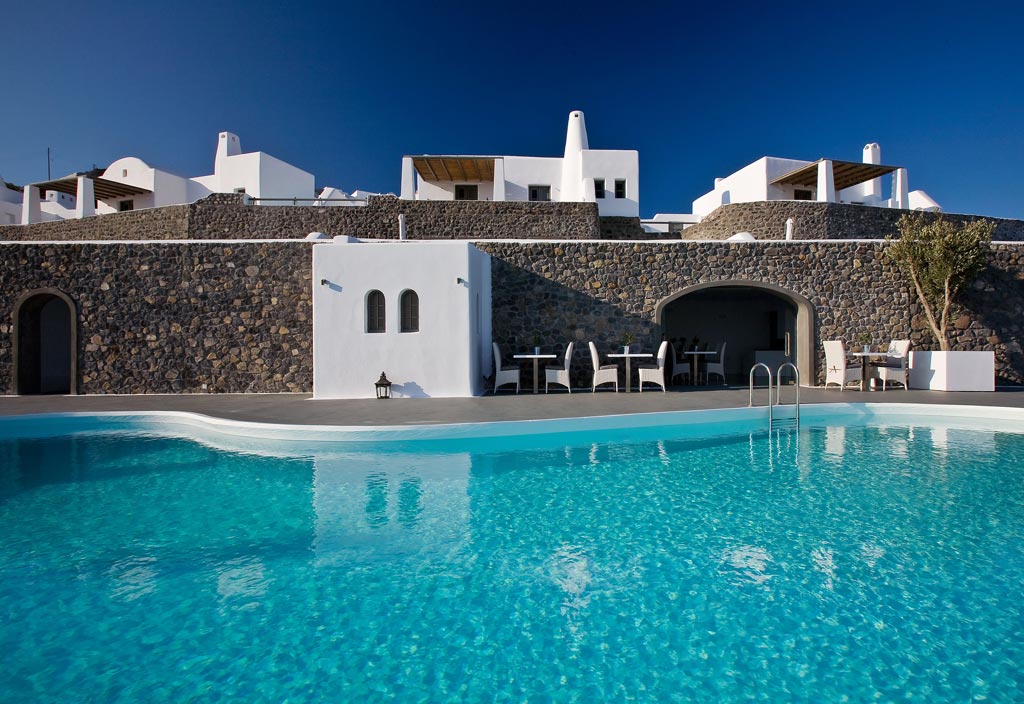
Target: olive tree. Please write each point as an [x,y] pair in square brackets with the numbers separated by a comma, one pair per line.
[941,258]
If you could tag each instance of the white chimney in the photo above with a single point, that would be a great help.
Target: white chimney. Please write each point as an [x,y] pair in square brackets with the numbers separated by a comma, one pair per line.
[572,161]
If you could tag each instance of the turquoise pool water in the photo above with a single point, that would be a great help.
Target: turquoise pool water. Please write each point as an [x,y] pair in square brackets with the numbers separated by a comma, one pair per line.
[834,564]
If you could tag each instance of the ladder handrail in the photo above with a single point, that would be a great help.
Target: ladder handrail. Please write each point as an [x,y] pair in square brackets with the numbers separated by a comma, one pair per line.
[750,403]
[778,387]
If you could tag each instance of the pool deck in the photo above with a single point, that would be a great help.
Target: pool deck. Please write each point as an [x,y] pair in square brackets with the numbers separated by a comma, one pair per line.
[303,410]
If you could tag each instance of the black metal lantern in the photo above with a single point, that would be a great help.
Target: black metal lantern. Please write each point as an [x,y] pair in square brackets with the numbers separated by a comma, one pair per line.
[383,387]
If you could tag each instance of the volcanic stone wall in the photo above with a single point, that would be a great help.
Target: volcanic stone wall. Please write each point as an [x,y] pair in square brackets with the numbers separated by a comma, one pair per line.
[209,317]
[175,317]
[169,222]
[821,221]
[226,216]
[600,291]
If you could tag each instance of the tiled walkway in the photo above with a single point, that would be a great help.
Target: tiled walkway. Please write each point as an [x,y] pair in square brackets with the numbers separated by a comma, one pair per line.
[301,409]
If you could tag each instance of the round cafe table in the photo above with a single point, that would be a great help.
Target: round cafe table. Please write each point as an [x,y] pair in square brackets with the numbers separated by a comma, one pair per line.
[536,361]
[697,354]
[629,356]
[865,357]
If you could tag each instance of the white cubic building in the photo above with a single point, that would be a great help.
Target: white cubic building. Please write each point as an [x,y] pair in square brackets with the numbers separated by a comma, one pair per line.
[419,312]
[608,177]
[131,184]
[824,180]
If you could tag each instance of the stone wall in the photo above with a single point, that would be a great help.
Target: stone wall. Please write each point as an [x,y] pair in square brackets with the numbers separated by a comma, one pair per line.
[226,216]
[175,317]
[170,222]
[601,290]
[821,221]
[214,317]
[618,228]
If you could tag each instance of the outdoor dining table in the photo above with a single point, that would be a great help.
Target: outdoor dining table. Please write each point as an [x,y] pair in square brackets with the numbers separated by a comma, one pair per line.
[629,356]
[865,358]
[536,357]
[697,354]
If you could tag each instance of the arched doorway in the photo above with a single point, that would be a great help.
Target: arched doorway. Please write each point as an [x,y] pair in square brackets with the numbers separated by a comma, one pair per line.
[45,343]
[760,322]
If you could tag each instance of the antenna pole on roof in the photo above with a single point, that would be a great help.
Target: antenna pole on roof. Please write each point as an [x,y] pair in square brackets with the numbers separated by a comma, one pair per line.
[47,163]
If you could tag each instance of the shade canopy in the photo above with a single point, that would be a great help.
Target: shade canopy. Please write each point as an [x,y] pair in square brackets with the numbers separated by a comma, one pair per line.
[455,168]
[844,174]
[102,188]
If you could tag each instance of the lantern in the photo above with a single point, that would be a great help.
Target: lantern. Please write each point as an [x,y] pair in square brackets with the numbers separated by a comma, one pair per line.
[383,387]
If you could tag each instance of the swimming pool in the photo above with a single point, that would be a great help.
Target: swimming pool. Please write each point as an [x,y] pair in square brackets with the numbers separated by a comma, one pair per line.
[867,557]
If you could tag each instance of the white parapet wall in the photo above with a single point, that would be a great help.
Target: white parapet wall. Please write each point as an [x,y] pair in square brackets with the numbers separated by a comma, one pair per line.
[446,356]
[953,371]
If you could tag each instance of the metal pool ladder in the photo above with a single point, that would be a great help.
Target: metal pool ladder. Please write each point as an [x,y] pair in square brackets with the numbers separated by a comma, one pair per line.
[750,403]
[778,388]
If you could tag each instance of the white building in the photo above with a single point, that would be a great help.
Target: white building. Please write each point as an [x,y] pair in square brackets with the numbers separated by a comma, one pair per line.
[418,311]
[608,177]
[130,184]
[10,203]
[824,180]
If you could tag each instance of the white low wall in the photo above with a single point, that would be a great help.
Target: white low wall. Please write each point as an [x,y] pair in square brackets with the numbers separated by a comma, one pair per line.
[953,371]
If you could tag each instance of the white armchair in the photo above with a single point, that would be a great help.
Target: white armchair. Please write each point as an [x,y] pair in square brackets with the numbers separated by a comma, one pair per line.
[603,374]
[717,367]
[654,374]
[894,368]
[680,367]
[503,375]
[837,369]
[559,375]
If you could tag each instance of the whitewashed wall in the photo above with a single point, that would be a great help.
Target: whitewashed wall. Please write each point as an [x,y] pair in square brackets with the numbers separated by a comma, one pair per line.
[521,172]
[611,165]
[445,190]
[749,184]
[446,358]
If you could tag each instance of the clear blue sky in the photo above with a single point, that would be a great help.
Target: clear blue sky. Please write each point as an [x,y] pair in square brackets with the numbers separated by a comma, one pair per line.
[344,90]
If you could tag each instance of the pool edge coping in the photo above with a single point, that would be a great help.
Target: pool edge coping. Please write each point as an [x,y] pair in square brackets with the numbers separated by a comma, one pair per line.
[52,424]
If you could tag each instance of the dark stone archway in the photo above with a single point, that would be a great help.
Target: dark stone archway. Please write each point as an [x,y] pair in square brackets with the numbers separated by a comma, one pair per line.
[45,343]
[802,337]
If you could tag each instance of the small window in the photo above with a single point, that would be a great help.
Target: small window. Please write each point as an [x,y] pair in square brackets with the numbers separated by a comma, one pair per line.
[799,194]
[540,194]
[410,308]
[466,192]
[124,172]
[240,190]
[620,188]
[599,188]
[124,205]
[375,321]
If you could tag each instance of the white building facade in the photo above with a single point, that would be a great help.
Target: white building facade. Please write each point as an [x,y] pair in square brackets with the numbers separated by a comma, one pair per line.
[131,184]
[610,178]
[824,180]
[419,312]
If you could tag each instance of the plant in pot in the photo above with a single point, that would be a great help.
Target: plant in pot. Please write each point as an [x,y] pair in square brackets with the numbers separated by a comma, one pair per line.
[864,339]
[536,344]
[941,259]
[627,340]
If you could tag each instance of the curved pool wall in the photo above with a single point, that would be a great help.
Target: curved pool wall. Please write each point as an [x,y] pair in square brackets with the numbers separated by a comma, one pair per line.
[272,438]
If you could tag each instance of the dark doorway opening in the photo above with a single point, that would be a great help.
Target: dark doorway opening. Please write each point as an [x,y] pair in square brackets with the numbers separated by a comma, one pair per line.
[758,324]
[45,337]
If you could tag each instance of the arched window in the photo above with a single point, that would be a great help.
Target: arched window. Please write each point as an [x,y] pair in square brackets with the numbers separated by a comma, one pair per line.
[375,320]
[410,307]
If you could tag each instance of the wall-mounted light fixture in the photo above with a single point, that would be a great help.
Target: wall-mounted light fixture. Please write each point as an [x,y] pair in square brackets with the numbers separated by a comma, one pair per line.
[461,280]
[323,282]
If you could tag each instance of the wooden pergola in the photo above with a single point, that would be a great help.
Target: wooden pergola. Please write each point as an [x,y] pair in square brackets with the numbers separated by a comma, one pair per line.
[844,173]
[455,168]
[102,188]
